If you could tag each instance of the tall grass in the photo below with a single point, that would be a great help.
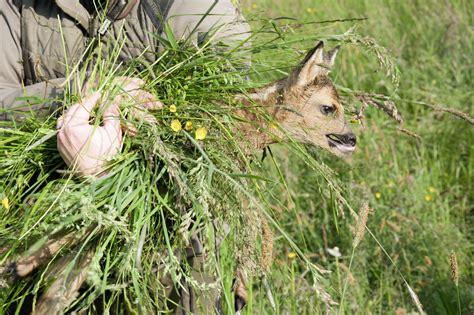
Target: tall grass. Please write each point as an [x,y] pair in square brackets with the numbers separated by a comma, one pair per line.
[108,244]
[420,190]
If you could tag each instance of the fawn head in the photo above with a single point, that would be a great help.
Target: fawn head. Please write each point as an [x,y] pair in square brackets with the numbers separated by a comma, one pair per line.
[313,112]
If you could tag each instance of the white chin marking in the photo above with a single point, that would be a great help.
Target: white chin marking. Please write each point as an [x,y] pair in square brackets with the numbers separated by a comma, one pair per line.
[345,149]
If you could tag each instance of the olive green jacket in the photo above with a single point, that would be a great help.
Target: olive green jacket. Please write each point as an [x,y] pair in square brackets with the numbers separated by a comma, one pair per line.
[42,40]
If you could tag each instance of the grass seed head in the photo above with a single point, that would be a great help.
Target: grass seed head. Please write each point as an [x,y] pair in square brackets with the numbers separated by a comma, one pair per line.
[361,223]
[415,299]
[453,264]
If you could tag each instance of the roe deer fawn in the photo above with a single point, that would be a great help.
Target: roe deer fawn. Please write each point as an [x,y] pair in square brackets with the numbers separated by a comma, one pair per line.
[307,107]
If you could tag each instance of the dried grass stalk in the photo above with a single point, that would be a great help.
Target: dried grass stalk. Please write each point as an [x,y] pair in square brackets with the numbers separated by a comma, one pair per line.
[409,133]
[361,224]
[384,58]
[387,105]
[415,299]
[456,113]
[452,111]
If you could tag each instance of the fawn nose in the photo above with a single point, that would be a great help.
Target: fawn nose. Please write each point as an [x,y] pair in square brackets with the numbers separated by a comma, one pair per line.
[346,139]
[350,138]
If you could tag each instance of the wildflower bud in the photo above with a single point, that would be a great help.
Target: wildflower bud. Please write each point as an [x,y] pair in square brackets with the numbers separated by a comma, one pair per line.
[188,126]
[292,255]
[6,203]
[176,125]
[201,133]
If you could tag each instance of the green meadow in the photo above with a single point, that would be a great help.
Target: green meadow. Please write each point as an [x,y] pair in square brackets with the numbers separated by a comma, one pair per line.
[419,184]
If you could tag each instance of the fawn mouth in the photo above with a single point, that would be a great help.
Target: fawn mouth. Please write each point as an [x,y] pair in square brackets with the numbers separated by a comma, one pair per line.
[344,143]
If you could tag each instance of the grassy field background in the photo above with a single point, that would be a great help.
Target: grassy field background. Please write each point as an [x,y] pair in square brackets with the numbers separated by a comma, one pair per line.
[420,191]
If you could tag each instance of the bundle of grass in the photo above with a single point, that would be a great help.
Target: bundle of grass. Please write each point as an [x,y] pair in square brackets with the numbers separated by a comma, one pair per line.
[151,227]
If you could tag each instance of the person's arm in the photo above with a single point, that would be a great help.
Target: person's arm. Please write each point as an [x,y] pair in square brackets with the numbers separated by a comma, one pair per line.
[11,68]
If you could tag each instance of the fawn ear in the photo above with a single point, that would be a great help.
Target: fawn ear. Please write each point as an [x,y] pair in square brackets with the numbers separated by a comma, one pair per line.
[330,57]
[311,66]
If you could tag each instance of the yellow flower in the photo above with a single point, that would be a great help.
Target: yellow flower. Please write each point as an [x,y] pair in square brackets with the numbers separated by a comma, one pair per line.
[6,203]
[176,125]
[378,195]
[254,6]
[432,190]
[189,125]
[310,10]
[201,133]
[428,198]
[291,255]
[173,108]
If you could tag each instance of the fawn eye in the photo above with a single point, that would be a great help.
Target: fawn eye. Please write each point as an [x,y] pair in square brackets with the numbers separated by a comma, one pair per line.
[327,110]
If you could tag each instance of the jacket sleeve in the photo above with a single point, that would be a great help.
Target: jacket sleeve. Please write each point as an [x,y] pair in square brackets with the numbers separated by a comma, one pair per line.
[11,69]
[187,16]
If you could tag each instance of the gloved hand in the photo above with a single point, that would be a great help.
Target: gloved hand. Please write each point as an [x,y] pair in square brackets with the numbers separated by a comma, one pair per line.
[86,148]
[140,102]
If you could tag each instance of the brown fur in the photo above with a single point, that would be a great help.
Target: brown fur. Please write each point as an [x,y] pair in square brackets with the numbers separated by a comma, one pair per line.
[294,104]
[295,109]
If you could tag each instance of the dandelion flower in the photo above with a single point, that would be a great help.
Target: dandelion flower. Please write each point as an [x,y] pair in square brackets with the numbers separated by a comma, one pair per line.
[254,6]
[291,255]
[428,198]
[176,125]
[173,108]
[378,195]
[201,133]
[6,203]
[432,190]
[189,125]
